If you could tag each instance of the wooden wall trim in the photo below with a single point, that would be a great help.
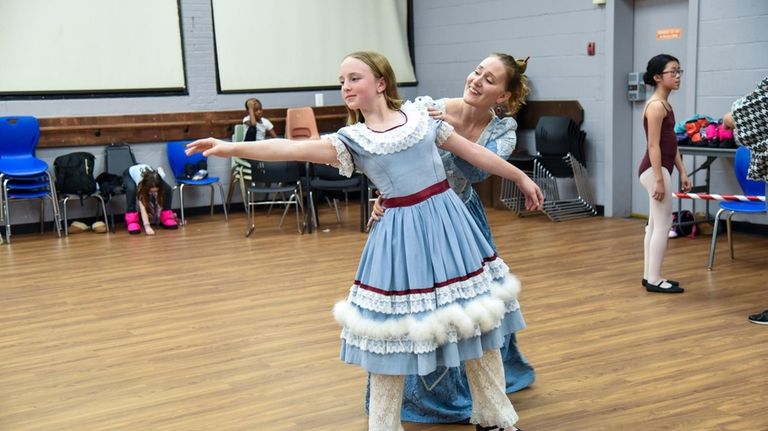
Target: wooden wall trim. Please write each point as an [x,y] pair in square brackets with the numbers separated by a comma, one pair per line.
[534,109]
[142,128]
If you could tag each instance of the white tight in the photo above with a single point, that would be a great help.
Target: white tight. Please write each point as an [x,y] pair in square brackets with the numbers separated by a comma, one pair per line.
[490,406]
[659,223]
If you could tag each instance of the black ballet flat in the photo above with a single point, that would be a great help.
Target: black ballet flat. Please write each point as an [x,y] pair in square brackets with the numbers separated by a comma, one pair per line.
[656,288]
[482,428]
[672,282]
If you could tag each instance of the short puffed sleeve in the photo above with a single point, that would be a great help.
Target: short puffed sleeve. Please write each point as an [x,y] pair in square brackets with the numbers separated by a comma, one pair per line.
[444,130]
[345,164]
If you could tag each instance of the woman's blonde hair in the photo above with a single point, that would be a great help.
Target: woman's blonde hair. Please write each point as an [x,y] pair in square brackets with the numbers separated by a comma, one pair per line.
[381,69]
[517,82]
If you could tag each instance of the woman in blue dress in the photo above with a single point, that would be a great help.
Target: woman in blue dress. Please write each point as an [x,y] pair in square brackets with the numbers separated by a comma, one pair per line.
[429,290]
[443,396]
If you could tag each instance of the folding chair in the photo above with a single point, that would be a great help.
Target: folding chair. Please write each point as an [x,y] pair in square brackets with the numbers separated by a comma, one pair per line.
[327,178]
[178,159]
[276,177]
[748,187]
[118,157]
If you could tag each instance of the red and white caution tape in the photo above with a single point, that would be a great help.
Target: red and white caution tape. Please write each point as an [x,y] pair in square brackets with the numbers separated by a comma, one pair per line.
[713,197]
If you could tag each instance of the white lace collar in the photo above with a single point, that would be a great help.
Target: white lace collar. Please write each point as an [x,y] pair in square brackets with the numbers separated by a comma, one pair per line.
[397,139]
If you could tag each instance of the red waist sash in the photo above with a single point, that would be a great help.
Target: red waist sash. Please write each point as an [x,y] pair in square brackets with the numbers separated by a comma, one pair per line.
[414,198]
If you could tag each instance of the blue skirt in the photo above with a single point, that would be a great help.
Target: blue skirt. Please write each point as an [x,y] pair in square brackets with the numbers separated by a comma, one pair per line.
[429,292]
[443,396]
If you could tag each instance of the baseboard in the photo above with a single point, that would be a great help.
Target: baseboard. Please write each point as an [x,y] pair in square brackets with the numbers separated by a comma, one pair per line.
[34,227]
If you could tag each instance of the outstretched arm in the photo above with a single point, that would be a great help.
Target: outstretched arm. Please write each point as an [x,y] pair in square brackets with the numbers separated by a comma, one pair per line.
[145,219]
[488,161]
[316,151]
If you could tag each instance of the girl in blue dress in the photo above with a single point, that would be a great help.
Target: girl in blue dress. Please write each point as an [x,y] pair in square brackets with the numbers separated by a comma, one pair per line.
[429,290]
[443,396]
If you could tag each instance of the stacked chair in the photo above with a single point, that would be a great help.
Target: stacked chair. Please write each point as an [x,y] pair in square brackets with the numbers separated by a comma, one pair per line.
[560,148]
[560,158]
[22,175]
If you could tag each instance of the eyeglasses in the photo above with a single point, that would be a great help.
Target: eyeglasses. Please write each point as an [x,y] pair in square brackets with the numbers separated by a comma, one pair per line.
[674,72]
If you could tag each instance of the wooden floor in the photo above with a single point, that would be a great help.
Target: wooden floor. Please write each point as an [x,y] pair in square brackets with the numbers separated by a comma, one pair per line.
[204,329]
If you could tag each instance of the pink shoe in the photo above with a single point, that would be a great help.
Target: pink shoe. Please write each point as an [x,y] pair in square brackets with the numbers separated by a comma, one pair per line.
[168,219]
[726,138]
[711,132]
[132,223]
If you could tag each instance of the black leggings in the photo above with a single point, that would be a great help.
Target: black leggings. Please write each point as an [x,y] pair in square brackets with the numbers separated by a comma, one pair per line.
[130,194]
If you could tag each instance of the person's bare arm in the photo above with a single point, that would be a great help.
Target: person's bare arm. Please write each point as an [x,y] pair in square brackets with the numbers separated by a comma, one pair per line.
[315,151]
[145,220]
[488,161]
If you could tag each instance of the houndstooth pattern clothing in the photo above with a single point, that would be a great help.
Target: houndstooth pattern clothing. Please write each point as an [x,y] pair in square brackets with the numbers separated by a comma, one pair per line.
[750,115]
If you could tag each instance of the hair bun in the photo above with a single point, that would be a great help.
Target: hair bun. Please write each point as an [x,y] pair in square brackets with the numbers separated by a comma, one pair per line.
[648,79]
[522,64]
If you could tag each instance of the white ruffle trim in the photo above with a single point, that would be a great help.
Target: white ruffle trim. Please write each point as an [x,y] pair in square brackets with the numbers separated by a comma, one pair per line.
[446,325]
[420,302]
[346,165]
[397,139]
[444,130]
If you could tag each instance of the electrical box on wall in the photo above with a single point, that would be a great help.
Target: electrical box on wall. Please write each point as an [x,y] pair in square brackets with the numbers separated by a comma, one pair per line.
[635,87]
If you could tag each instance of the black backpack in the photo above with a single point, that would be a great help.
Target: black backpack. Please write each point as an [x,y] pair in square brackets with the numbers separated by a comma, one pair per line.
[74,174]
[689,229]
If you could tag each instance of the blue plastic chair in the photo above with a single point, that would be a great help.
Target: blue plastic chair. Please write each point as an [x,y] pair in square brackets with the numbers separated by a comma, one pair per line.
[178,159]
[749,188]
[23,176]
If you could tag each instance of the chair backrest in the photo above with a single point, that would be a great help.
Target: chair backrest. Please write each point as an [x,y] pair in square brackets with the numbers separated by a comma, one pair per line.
[18,136]
[300,123]
[740,168]
[325,172]
[275,172]
[178,159]
[118,158]
[554,135]
[239,133]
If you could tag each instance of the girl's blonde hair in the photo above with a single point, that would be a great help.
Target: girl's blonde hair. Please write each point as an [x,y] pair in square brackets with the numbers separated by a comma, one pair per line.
[150,179]
[517,82]
[381,69]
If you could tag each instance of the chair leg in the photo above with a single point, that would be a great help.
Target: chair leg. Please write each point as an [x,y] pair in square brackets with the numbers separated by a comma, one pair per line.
[241,179]
[54,205]
[713,243]
[64,214]
[221,193]
[291,201]
[336,207]
[181,203]
[42,215]
[729,232]
[212,193]
[313,209]
[6,211]
[249,214]
[100,201]
[231,189]
[300,205]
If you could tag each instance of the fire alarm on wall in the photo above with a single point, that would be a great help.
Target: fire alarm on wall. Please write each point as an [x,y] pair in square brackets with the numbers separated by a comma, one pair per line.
[591,48]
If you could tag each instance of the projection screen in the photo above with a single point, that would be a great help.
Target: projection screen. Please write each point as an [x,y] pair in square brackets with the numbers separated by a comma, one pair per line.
[90,46]
[272,45]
